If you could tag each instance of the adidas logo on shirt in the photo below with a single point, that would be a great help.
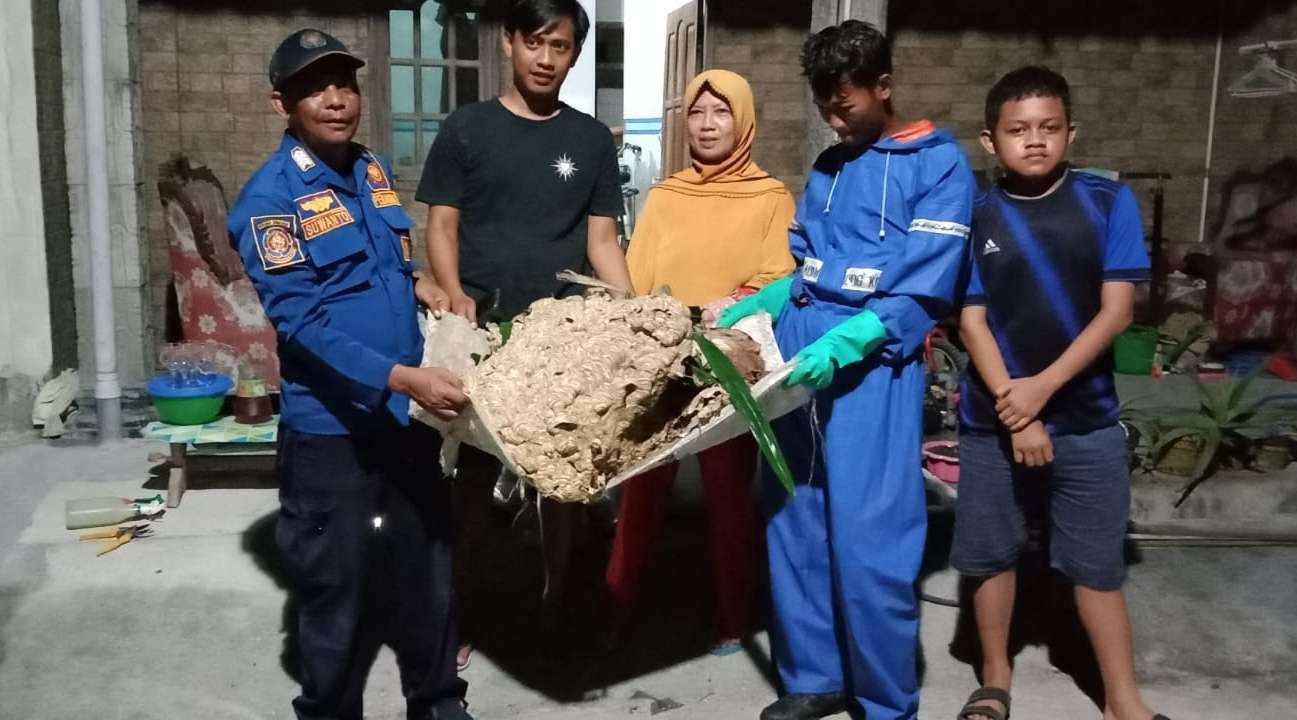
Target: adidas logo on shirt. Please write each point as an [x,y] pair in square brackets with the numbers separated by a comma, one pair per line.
[990,247]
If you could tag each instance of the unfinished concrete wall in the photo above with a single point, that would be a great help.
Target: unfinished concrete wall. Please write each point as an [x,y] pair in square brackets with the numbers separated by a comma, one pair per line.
[1252,132]
[205,94]
[47,46]
[761,40]
[133,326]
[1141,77]
[25,350]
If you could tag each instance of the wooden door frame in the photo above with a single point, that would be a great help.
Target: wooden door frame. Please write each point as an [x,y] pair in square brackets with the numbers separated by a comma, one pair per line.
[678,69]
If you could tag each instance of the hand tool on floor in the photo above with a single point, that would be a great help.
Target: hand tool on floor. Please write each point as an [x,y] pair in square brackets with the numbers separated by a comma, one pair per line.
[117,536]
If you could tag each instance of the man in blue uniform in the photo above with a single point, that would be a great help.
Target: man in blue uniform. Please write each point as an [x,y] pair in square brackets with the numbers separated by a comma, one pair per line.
[364,523]
[879,236]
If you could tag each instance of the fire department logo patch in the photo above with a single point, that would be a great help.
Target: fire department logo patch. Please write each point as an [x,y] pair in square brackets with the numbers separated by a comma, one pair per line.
[312,39]
[380,188]
[276,243]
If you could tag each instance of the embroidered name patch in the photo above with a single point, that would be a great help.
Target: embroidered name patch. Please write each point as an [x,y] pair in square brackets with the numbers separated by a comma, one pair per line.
[862,279]
[380,189]
[811,268]
[385,198]
[276,243]
[322,212]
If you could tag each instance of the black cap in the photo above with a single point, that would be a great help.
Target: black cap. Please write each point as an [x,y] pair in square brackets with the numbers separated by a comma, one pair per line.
[303,48]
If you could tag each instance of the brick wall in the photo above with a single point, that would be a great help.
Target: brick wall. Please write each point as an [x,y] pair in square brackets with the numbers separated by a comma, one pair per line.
[1141,77]
[1141,80]
[204,93]
[1252,132]
[761,41]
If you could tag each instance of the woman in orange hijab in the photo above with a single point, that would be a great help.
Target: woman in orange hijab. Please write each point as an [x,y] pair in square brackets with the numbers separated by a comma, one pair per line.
[711,233]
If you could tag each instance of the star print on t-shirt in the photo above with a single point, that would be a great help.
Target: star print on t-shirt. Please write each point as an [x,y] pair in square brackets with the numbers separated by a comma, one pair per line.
[565,167]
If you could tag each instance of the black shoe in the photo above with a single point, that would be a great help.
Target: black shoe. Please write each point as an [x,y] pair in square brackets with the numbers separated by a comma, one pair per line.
[445,709]
[805,706]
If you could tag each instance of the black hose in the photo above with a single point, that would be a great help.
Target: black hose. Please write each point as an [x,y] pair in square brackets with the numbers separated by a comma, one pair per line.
[944,602]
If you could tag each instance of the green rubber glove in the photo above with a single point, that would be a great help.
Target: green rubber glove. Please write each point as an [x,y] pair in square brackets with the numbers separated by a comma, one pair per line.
[850,341]
[771,298]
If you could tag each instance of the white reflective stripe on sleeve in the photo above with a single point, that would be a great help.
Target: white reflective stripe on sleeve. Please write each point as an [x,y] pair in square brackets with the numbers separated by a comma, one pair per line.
[940,227]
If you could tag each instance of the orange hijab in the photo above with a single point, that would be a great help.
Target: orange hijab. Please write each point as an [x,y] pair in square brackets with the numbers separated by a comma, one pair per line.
[736,175]
[712,228]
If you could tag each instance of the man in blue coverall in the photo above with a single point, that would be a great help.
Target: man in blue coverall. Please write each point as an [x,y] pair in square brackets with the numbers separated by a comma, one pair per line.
[364,522]
[880,235]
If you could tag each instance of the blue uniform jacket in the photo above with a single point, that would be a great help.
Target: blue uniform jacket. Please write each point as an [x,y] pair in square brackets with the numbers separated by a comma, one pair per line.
[330,256]
[885,228]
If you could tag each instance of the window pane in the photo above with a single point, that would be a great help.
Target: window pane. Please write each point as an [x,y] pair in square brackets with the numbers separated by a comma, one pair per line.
[402,89]
[465,86]
[404,153]
[430,128]
[466,36]
[400,28]
[436,95]
[432,36]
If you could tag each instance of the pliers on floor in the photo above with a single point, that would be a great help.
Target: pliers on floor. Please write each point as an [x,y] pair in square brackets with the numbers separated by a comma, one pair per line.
[117,536]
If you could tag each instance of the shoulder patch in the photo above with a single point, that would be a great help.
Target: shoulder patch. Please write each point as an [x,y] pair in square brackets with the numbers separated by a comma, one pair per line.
[276,243]
[302,158]
[322,212]
[380,188]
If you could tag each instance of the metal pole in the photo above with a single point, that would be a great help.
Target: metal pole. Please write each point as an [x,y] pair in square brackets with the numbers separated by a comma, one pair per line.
[108,392]
[1211,136]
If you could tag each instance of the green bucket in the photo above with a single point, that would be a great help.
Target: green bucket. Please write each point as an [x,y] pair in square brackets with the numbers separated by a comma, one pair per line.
[1133,350]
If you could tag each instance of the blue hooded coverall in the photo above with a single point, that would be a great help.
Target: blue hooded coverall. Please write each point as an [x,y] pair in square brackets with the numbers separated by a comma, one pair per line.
[881,228]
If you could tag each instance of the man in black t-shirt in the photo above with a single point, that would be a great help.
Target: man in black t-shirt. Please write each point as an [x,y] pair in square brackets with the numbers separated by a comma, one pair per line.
[523,186]
[519,188]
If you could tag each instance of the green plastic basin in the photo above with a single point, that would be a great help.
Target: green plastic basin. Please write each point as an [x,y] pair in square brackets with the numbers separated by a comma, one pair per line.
[1133,350]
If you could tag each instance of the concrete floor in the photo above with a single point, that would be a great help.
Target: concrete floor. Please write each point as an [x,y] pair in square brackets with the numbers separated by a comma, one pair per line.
[190,623]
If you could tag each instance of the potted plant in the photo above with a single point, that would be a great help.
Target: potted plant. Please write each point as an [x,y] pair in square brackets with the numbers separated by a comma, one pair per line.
[1226,425]
[1272,454]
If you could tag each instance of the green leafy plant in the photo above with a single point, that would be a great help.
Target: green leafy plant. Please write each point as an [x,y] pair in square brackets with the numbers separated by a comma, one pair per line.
[1226,422]
[1191,336]
[720,369]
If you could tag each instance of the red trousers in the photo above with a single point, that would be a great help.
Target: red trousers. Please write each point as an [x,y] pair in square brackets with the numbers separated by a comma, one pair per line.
[727,472]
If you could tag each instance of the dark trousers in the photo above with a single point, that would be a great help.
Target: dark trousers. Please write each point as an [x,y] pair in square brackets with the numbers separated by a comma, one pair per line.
[365,530]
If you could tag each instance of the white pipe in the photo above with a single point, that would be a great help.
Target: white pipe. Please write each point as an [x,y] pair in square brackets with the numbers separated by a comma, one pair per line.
[1267,46]
[1211,136]
[108,392]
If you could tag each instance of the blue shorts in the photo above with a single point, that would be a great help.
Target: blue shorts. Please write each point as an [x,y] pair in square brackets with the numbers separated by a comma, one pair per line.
[1084,496]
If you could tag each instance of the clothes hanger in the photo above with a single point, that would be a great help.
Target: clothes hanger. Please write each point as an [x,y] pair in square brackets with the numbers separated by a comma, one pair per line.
[1267,79]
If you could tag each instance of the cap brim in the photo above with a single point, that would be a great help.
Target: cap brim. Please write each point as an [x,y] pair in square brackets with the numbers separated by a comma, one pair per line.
[331,53]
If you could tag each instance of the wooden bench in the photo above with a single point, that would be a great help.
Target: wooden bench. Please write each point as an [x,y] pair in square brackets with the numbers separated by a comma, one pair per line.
[216,445]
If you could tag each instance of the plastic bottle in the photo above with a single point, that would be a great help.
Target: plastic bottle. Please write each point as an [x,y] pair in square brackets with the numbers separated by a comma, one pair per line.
[251,401]
[100,511]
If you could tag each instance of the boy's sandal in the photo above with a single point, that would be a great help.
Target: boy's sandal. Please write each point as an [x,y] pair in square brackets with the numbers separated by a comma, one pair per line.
[972,708]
